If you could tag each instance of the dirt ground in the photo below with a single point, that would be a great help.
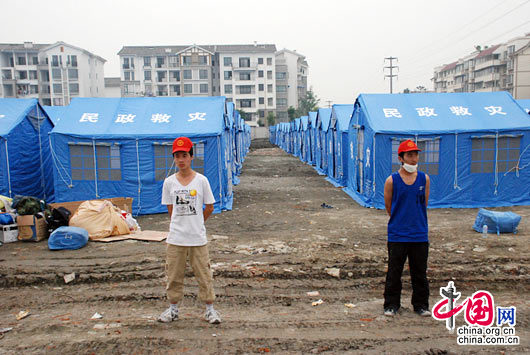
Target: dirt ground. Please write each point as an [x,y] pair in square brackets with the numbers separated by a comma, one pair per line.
[266,254]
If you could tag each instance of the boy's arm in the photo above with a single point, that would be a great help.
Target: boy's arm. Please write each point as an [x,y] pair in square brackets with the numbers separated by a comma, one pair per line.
[427,189]
[170,210]
[208,209]
[388,194]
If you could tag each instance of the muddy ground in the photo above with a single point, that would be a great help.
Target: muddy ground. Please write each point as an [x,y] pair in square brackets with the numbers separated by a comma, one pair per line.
[267,253]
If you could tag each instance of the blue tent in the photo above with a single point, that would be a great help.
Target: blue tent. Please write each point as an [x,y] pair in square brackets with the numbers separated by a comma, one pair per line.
[25,162]
[339,155]
[312,136]
[111,147]
[322,126]
[55,113]
[304,139]
[272,134]
[475,147]
[524,103]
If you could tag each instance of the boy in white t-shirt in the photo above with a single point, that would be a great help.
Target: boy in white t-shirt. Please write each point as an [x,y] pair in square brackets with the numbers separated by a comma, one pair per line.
[184,193]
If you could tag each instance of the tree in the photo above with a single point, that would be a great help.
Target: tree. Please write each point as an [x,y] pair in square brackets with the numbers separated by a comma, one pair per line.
[307,103]
[271,119]
[260,123]
[244,115]
[291,112]
[421,88]
[406,91]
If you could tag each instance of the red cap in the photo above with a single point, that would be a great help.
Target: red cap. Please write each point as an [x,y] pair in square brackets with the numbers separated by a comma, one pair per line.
[408,146]
[182,144]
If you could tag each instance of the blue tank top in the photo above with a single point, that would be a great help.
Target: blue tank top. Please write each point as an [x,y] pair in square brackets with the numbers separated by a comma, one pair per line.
[408,216]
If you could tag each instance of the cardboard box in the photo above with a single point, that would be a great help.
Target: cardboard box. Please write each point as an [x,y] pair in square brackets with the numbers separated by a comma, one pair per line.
[8,233]
[32,228]
[125,203]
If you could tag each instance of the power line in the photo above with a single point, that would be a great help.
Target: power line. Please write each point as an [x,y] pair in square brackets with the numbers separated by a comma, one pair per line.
[391,67]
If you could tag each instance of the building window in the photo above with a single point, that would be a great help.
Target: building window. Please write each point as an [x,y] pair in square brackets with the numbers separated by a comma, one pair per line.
[261,113]
[161,76]
[244,62]
[107,164]
[269,74]
[22,74]
[57,88]
[269,61]
[72,74]
[228,89]
[203,60]
[244,76]
[269,88]
[33,89]
[162,90]
[261,87]
[281,88]
[35,60]
[260,73]
[147,75]
[260,60]
[160,61]
[174,75]
[21,60]
[187,74]
[245,89]
[245,103]
[270,101]
[186,60]
[148,89]
[175,90]
[203,74]
[33,75]
[164,163]
[55,61]
[228,75]
[262,101]
[281,75]
[203,88]
[483,154]
[188,88]
[58,101]
[72,61]
[126,75]
[147,61]
[227,61]
[281,102]
[74,88]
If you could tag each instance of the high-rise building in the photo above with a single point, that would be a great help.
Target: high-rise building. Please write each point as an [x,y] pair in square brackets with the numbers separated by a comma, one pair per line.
[52,73]
[291,81]
[502,67]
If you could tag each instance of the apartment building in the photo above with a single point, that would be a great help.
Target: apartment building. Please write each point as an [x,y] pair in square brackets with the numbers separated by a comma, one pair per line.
[245,74]
[502,67]
[112,87]
[291,81]
[52,73]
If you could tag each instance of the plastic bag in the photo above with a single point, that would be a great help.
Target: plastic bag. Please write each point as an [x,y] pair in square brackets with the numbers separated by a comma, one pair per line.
[497,222]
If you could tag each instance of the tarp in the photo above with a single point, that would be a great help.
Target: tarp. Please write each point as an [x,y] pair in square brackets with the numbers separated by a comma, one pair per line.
[25,161]
[322,125]
[55,112]
[312,137]
[475,147]
[524,103]
[338,155]
[121,147]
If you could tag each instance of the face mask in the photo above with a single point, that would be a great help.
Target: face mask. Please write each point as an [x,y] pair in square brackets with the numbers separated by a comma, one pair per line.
[410,168]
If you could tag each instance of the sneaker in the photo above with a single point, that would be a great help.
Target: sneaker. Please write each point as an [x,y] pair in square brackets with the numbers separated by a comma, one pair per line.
[169,315]
[423,312]
[390,312]
[212,317]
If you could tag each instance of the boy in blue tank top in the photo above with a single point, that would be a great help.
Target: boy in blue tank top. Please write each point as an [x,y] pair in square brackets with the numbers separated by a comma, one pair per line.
[406,198]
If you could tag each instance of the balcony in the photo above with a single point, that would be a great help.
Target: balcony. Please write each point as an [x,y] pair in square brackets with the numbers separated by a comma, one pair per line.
[249,68]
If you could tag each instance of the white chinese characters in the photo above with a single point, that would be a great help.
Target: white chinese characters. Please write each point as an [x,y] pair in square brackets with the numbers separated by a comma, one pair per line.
[460,111]
[89,117]
[493,110]
[392,112]
[125,118]
[160,118]
[197,116]
[425,111]
[2,116]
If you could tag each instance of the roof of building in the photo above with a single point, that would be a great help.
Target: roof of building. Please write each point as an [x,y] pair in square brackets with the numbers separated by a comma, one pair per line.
[449,66]
[41,47]
[488,51]
[110,82]
[285,50]
[165,50]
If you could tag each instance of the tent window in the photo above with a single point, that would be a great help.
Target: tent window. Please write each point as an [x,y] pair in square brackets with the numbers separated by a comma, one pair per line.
[429,161]
[82,162]
[483,154]
[164,165]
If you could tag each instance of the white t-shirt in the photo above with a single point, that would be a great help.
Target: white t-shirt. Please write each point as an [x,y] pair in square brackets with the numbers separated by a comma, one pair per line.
[187,221]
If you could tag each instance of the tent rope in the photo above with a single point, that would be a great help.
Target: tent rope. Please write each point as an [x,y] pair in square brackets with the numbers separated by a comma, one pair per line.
[55,160]
[373,166]
[518,168]
[42,184]
[455,184]
[220,173]
[8,169]
[95,166]
[496,162]
[139,181]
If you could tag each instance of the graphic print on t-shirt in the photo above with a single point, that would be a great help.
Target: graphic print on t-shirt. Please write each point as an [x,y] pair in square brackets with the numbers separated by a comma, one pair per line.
[185,202]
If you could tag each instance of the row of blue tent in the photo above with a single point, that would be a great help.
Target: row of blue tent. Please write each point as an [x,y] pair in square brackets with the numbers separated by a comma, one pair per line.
[118,147]
[475,146]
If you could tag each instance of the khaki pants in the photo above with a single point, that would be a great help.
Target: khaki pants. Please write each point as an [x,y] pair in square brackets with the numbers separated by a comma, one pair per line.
[176,258]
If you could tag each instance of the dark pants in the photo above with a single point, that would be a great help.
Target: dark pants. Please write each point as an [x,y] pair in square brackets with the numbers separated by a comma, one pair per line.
[418,254]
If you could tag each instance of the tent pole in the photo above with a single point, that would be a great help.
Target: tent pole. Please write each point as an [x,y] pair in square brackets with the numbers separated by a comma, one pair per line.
[95,166]
[8,169]
[42,185]
[139,181]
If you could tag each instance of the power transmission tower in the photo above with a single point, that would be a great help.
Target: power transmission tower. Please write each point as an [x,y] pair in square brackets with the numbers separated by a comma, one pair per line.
[329,103]
[391,67]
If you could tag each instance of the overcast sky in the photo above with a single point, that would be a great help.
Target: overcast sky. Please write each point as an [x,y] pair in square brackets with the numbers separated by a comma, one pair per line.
[345,41]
